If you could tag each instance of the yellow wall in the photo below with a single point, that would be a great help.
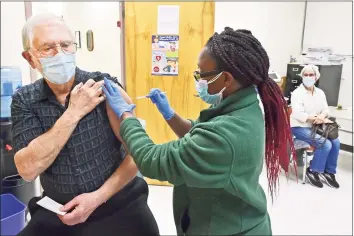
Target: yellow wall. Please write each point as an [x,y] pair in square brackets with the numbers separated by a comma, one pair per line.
[196,26]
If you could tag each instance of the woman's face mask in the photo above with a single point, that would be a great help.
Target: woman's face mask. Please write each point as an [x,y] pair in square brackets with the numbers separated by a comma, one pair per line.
[202,89]
[309,79]
[59,69]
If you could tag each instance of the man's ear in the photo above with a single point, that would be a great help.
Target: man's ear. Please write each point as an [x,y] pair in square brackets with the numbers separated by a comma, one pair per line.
[28,58]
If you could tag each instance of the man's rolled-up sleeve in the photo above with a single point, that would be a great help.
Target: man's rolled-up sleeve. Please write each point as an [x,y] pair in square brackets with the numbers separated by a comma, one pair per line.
[25,125]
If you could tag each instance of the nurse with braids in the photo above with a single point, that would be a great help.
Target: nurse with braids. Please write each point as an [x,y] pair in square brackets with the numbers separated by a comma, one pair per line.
[216,163]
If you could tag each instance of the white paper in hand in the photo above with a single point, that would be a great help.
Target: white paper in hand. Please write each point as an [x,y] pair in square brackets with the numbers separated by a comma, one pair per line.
[51,205]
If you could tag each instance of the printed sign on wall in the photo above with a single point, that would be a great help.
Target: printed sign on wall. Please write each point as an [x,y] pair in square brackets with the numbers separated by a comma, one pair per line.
[165,54]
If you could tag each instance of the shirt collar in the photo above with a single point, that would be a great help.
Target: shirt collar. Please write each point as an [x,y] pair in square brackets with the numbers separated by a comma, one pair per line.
[47,92]
[306,91]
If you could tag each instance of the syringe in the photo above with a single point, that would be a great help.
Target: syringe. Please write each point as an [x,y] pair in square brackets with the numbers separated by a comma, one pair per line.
[146,96]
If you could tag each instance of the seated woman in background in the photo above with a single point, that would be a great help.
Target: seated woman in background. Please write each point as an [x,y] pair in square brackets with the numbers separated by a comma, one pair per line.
[309,106]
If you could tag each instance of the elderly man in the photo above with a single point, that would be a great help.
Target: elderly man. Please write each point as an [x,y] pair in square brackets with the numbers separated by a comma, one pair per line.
[62,133]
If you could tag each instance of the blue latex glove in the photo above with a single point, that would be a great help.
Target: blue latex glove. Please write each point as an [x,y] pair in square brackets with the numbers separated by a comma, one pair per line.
[160,99]
[115,99]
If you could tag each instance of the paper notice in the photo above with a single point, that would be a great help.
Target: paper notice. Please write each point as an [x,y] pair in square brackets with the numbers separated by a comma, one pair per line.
[51,205]
[168,19]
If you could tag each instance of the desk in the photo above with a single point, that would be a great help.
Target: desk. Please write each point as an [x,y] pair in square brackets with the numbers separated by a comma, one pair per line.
[345,119]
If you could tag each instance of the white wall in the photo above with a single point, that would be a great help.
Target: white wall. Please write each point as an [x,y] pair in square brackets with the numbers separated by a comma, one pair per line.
[277,25]
[12,20]
[45,7]
[101,18]
[330,24]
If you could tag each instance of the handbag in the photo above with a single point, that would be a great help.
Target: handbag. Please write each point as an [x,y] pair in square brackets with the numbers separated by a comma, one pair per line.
[326,131]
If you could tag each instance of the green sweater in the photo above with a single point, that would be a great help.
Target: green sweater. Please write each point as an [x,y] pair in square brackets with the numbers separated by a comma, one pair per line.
[215,167]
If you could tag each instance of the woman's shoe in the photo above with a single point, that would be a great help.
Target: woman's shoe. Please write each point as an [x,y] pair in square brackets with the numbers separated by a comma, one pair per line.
[313,178]
[329,179]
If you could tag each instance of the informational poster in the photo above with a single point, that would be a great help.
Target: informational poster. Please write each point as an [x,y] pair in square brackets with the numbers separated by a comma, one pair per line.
[165,54]
[168,20]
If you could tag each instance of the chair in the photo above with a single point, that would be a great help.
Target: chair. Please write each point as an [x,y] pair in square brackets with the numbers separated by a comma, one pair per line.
[307,155]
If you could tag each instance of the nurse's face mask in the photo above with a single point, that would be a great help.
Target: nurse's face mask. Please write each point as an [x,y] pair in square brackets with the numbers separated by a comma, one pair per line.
[202,87]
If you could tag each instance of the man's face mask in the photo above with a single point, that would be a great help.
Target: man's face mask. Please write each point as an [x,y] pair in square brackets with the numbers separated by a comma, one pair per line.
[59,69]
[202,89]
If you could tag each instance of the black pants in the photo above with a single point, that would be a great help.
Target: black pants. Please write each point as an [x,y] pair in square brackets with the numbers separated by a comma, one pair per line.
[126,214]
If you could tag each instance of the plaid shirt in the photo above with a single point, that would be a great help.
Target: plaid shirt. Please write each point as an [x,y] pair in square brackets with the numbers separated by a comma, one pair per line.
[91,154]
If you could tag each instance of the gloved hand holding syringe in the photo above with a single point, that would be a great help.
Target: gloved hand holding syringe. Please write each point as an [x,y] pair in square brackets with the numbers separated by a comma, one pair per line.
[160,100]
[147,96]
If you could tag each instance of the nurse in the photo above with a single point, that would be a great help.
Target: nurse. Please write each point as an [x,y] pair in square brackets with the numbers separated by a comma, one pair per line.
[216,163]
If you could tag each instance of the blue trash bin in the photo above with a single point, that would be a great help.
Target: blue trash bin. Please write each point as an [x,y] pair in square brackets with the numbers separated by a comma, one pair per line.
[12,215]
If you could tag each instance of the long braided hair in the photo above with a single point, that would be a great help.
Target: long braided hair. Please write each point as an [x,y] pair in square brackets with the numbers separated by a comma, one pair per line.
[241,54]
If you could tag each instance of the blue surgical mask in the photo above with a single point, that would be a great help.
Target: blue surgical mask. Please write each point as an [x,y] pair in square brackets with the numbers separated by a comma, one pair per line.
[202,89]
[308,81]
[59,69]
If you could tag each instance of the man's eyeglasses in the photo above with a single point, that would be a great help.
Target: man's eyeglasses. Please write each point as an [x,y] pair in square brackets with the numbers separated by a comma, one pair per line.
[198,76]
[50,50]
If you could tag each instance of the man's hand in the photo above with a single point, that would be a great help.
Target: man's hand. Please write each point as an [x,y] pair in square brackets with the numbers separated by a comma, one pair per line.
[84,98]
[81,208]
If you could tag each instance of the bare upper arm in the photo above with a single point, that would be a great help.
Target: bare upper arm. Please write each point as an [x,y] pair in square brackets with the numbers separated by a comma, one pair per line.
[113,118]
[125,96]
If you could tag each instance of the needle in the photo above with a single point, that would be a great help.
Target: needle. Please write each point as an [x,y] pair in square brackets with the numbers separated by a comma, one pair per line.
[147,96]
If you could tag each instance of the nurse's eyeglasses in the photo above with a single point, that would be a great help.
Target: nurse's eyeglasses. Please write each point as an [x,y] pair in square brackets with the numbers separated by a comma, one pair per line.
[198,76]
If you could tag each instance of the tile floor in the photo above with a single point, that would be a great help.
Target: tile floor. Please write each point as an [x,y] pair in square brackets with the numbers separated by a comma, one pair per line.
[298,210]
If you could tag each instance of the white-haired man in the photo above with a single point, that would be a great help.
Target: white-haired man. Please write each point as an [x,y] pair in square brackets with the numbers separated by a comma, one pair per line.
[62,133]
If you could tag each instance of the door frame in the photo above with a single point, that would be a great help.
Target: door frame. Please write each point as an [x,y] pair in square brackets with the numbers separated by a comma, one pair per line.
[122,43]
[28,14]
